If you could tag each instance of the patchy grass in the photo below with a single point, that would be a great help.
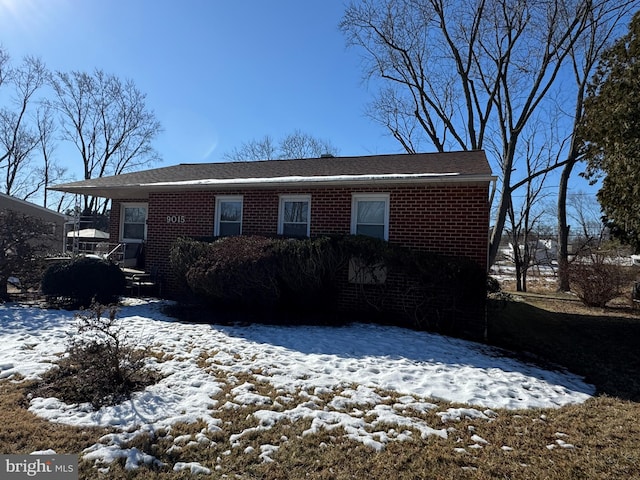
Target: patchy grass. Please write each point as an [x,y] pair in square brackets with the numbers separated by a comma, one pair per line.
[598,439]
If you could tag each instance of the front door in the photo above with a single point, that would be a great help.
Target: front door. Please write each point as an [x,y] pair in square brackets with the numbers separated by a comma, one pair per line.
[133,233]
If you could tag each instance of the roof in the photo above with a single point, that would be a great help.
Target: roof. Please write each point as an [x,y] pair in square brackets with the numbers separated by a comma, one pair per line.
[464,166]
[12,203]
[88,233]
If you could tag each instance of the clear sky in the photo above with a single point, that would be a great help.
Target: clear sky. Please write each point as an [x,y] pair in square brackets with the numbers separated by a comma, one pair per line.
[216,72]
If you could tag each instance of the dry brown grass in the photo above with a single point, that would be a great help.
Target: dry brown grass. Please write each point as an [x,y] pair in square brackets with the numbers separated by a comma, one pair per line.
[23,432]
[603,432]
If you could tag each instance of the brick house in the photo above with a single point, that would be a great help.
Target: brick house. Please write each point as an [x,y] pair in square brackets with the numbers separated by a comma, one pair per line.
[437,202]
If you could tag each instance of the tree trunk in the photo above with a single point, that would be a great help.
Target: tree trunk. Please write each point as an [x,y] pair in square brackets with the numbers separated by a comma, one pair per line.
[563,229]
[504,204]
[518,277]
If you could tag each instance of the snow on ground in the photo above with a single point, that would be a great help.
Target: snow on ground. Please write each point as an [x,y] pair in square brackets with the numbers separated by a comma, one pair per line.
[352,365]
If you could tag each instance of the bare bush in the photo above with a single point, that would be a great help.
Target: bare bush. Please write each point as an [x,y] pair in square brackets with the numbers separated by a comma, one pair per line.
[100,367]
[597,280]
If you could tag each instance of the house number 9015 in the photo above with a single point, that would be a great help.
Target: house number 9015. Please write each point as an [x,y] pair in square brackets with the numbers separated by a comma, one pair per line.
[176,219]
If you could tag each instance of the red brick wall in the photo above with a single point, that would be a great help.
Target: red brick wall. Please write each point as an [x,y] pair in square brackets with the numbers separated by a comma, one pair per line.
[452,220]
[443,218]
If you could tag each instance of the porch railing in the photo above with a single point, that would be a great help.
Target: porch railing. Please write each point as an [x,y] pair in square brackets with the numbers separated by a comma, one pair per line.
[125,254]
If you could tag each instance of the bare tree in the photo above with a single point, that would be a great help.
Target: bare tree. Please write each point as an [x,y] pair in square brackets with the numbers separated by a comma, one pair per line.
[294,145]
[590,232]
[4,66]
[108,121]
[302,145]
[524,217]
[50,172]
[26,131]
[465,73]
[19,139]
[263,149]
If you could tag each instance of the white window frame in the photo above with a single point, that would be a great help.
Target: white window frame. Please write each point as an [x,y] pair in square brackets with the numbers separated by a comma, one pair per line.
[124,206]
[374,197]
[293,198]
[227,198]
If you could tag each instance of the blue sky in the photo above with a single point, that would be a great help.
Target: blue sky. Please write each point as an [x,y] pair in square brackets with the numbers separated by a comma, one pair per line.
[216,73]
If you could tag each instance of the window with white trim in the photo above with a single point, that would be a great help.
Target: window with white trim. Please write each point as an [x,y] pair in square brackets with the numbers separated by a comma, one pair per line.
[370,215]
[133,222]
[228,217]
[294,215]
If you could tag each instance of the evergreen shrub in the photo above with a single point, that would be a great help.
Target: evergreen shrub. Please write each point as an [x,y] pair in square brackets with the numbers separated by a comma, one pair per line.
[259,272]
[183,255]
[307,275]
[493,285]
[236,271]
[82,281]
[433,291]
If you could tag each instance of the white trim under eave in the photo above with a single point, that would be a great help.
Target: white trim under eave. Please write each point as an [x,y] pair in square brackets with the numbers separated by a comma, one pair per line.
[311,179]
[142,191]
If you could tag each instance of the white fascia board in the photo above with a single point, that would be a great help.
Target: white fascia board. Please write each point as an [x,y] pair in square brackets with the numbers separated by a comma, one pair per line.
[142,190]
[326,179]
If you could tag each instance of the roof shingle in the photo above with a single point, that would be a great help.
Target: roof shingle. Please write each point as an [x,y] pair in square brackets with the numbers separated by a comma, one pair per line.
[465,165]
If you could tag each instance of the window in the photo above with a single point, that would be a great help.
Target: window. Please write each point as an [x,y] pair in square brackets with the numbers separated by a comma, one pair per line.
[228,220]
[133,222]
[294,215]
[370,215]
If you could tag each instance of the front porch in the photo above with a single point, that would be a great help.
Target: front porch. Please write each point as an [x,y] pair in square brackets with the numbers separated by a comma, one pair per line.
[141,283]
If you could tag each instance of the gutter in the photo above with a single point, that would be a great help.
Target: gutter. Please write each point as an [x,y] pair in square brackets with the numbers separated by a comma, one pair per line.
[271,182]
[320,180]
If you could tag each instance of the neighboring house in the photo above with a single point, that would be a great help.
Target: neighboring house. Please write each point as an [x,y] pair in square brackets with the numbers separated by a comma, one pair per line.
[55,219]
[543,251]
[436,201]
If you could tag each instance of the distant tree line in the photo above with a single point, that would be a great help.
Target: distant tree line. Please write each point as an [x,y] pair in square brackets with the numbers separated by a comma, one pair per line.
[297,144]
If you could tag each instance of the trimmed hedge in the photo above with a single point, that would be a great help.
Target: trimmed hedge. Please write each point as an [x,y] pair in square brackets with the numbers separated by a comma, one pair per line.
[254,272]
[307,271]
[433,292]
[83,281]
[236,271]
[429,291]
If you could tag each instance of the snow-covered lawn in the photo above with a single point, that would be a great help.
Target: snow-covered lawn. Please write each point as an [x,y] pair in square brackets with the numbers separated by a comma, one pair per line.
[329,376]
